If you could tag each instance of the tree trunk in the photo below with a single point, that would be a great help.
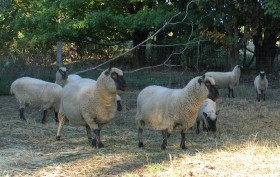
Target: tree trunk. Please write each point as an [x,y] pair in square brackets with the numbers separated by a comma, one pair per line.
[265,48]
[233,56]
[139,54]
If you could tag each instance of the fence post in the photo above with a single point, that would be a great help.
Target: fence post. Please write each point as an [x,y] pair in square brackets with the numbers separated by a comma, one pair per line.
[59,53]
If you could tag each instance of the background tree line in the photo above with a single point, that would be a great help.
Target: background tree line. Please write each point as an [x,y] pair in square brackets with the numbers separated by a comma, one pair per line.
[90,29]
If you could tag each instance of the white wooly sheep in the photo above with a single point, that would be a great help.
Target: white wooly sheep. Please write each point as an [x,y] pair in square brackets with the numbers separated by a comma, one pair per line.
[62,79]
[166,110]
[36,93]
[91,103]
[227,79]
[208,115]
[261,85]
[73,77]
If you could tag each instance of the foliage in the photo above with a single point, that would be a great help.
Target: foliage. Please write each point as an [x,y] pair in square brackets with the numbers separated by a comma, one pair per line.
[272,7]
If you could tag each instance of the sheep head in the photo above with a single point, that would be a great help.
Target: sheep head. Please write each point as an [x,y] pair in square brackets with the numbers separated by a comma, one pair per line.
[116,75]
[262,74]
[62,71]
[210,122]
[210,84]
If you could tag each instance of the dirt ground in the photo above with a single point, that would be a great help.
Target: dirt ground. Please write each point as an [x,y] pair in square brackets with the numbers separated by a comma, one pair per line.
[30,149]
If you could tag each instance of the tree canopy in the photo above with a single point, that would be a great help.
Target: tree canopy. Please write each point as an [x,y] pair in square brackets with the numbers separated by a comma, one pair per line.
[28,25]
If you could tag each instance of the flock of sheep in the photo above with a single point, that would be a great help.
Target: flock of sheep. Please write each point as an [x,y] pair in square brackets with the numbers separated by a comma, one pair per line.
[93,103]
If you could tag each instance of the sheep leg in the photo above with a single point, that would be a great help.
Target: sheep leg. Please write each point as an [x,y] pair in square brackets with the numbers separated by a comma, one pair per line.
[56,117]
[97,138]
[259,97]
[165,136]
[44,116]
[263,95]
[183,140]
[197,127]
[61,119]
[21,114]
[140,137]
[230,90]
[204,127]
[89,135]
[119,105]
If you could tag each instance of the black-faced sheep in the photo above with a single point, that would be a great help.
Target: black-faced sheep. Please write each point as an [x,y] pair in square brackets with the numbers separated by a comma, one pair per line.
[166,110]
[261,85]
[62,78]
[227,79]
[91,103]
[36,93]
[207,114]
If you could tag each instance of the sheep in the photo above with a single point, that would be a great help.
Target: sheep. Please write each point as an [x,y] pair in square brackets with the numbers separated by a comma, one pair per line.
[91,103]
[62,79]
[73,77]
[261,85]
[227,79]
[168,110]
[36,93]
[208,115]
[61,76]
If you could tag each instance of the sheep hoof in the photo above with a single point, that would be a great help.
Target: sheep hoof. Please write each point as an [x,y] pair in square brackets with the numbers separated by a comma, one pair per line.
[100,145]
[58,138]
[183,147]
[163,147]
[93,142]
[197,131]
[140,144]
[22,118]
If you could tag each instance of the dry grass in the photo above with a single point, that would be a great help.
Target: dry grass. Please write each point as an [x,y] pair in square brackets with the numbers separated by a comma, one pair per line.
[246,144]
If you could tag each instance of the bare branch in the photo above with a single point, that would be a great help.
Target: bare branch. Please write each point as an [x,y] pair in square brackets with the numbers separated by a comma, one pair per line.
[159,30]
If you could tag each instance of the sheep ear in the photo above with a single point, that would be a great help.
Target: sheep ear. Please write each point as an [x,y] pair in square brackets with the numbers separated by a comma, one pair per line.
[108,71]
[201,79]
[205,114]
[218,112]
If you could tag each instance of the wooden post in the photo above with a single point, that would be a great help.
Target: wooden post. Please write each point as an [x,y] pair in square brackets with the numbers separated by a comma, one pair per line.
[59,53]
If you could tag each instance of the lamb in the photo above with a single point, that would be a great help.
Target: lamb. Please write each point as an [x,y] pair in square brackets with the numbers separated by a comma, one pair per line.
[168,110]
[227,79]
[62,79]
[91,103]
[208,115]
[36,93]
[261,85]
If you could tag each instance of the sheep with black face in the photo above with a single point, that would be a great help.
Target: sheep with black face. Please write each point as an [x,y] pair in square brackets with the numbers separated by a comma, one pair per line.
[261,85]
[169,110]
[36,93]
[62,78]
[207,114]
[91,104]
[227,79]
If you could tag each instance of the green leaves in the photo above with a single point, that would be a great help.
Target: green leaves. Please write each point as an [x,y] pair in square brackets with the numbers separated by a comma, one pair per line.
[272,7]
